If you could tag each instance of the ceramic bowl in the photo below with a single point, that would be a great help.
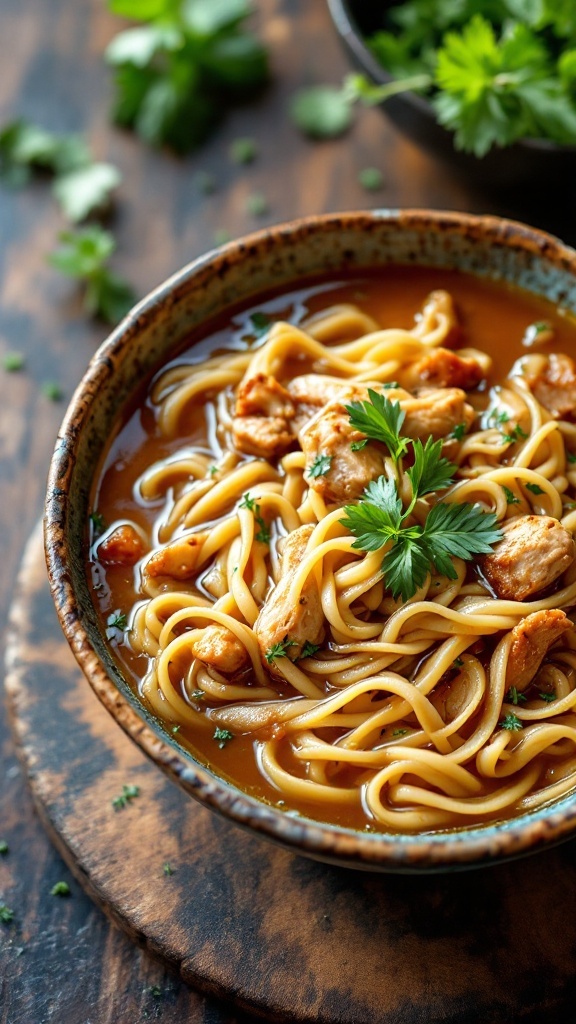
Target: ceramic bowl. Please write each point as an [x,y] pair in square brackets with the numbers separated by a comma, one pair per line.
[530,162]
[280,257]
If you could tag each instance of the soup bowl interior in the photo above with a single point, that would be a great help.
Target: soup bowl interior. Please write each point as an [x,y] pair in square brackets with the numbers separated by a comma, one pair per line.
[277,259]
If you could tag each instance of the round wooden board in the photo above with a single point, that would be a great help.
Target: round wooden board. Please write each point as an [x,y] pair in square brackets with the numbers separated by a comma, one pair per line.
[281,936]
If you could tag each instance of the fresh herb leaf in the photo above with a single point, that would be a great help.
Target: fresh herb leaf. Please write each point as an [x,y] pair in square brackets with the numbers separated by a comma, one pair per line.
[197,695]
[243,151]
[381,420]
[98,522]
[26,148]
[223,736]
[128,793]
[257,205]
[4,848]
[175,729]
[571,456]
[430,472]
[252,505]
[12,362]
[260,323]
[168,870]
[510,496]
[279,650]
[458,432]
[320,466]
[371,179]
[321,112]
[357,446]
[511,722]
[6,915]
[548,697]
[514,696]
[534,488]
[399,732]
[84,255]
[308,650]
[60,889]
[115,623]
[458,663]
[52,391]
[176,73]
[86,190]
[516,434]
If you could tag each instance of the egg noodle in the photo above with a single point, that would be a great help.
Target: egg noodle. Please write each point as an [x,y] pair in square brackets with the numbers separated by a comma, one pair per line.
[400,710]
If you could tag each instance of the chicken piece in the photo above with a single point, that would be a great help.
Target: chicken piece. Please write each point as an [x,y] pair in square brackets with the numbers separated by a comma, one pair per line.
[178,559]
[261,424]
[552,379]
[280,620]
[434,412]
[442,368]
[124,546]
[311,391]
[349,472]
[219,648]
[531,640]
[533,553]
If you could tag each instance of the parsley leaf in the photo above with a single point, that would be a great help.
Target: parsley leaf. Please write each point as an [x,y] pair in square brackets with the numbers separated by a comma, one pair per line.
[514,696]
[223,736]
[308,650]
[548,697]
[510,496]
[381,420]
[458,432]
[84,255]
[430,472]
[128,793]
[321,112]
[279,650]
[263,534]
[176,73]
[86,190]
[516,434]
[260,323]
[320,466]
[6,915]
[60,889]
[534,488]
[511,722]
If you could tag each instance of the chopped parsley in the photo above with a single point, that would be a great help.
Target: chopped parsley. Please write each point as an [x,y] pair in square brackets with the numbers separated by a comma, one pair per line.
[6,915]
[257,205]
[223,736]
[371,179]
[213,470]
[548,697]
[52,391]
[98,522]
[458,663]
[12,362]
[168,869]
[516,434]
[534,488]
[197,695]
[321,112]
[115,623]
[263,534]
[243,151]
[510,496]
[399,732]
[279,650]
[308,650]
[511,722]
[60,889]
[459,431]
[571,456]
[320,466]
[260,323]
[357,446]
[377,520]
[128,793]
[4,848]
[514,696]
[175,729]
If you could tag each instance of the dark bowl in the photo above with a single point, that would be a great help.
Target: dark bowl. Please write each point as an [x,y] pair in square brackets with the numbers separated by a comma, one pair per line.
[528,162]
[239,272]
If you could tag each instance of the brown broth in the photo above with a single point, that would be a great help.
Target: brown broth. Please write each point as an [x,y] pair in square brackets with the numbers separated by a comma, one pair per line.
[493,318]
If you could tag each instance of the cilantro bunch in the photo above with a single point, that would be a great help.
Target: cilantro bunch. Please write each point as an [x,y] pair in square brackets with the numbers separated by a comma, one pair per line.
[379,519]
[178,70]
[494,70]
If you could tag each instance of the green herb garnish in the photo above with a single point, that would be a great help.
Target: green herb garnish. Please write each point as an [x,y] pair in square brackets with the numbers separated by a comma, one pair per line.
[178,70]
[260,323]
[381,420]
[257,205]
[128,793]
[251,504]
[4,848]
[98,522]
[534,488]
[514,696]
[84,255]
[279,650]
[510,496]
[321,112]
[308,650]
[458,663]
[243,151]
[115,623]
[320,466]
[6,915]
[458,432]
[548,697]
[511,722]
[60,889]
[399,732]
[223,736]
[13,361]
[516,434]
[52,390]
[168,870]
[371,179]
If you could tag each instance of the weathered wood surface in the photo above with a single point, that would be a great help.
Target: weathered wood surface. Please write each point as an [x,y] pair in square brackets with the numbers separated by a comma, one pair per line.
[61,961]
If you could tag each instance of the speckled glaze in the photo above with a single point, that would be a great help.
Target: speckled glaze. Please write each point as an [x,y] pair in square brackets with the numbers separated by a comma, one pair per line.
[278,257]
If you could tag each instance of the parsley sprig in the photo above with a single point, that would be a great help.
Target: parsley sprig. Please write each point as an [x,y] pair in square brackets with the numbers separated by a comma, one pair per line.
[494,70]
[379,519]
[263,533]
[177,70]
[84,255]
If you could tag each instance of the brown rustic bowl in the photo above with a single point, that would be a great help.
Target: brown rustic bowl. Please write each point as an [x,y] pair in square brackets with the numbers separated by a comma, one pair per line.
[239,272]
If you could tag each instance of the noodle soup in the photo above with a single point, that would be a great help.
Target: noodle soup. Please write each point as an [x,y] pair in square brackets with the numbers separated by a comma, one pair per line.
[331,547]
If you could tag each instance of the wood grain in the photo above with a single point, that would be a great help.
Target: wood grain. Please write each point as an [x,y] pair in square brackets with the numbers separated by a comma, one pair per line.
[74,967]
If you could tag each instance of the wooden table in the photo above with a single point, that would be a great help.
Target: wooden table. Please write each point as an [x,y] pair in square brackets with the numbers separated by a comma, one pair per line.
[62,961]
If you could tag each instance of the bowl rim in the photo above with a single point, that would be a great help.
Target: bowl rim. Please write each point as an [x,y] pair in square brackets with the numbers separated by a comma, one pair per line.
[342,14]
[409,853]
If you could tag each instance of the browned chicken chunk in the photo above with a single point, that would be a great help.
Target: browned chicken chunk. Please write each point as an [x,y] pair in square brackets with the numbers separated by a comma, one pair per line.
[442,368]
[219,648]
[124,546]
[261,424]
[434,412]
[533,553]
[280,619]
[178,559]
[552,379]
[345,474]
[531,640]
